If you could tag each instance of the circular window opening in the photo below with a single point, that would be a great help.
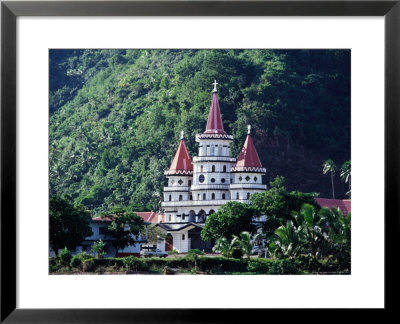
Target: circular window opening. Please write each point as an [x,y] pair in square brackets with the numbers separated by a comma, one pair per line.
[201,178]
[212,180]
[223,180]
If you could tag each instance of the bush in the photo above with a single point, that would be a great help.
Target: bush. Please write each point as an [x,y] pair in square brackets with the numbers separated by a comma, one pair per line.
[88,265]
[173,252]
[77,259]
[54,265]
[134,263]
[268,266]
[65,256]
[237,253]
[75,262]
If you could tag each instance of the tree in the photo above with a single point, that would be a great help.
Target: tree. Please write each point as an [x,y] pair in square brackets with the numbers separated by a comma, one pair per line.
[69,224]
[345,175]
[124,226]
[278,204]
[338,227]
[231,219]
[194,255]
[224,246]
[98,247]
[330,167]
[310,230]
[243,241]
[155,234]
[287,243]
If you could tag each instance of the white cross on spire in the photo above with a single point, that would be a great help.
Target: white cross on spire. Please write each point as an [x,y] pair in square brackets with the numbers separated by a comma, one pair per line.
[182,133]
[248,129]
[215,86]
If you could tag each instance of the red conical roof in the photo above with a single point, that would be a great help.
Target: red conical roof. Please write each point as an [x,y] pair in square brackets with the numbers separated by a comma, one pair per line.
[214,122]
[248,159]
[181,161]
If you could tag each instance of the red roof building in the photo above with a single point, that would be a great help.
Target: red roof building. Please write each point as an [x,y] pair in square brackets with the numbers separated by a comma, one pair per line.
[149,217]
[343,204]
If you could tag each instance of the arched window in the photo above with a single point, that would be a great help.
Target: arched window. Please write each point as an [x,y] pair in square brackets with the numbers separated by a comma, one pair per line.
[204,196]
[189,183]
[248,196]
[224,168]
[169,197]
[183,237]
[223,196]
[237,196]
[213,168]
[180,197]
[191,197]
[213,196]
[198,196]
[212,150]
[201,168]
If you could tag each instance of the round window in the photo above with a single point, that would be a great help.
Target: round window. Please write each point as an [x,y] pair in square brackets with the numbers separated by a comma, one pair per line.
[201,178]
[212,180]
[223,180]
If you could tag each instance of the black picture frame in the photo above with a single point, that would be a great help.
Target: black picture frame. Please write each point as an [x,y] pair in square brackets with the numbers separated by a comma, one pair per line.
[10,10]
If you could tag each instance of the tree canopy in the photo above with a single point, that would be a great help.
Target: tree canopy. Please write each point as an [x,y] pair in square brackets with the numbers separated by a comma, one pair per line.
[124,226]
[231,219]
[69,224]
[278,204]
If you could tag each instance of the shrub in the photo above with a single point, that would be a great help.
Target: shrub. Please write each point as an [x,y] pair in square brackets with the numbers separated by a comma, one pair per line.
[173,252]
[134,263]
[77,259]
[65,256]
[88,265]
[99,247]
[54,265]
[237,253]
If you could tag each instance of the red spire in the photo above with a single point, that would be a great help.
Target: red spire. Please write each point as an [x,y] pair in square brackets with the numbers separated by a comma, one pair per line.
[214,122]
[248,157]
[181,161]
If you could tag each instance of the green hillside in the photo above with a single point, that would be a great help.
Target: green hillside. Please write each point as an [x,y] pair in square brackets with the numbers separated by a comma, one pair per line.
[116,116]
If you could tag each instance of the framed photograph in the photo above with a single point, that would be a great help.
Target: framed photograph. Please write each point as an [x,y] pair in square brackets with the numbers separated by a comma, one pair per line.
[214,97]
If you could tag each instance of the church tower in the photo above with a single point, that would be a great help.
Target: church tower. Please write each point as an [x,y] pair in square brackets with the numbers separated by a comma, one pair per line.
[211,168]
[247,172]
[179,175]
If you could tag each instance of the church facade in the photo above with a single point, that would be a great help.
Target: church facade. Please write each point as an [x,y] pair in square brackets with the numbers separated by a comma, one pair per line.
[199,187]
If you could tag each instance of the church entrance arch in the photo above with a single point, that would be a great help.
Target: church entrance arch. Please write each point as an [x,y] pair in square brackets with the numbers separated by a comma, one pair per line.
[192,216]
[212,211]
[169,242]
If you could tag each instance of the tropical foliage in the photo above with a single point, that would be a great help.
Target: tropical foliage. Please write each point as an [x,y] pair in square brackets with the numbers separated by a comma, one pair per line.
[69,224]
[123,227]
[116,115]
[231,219]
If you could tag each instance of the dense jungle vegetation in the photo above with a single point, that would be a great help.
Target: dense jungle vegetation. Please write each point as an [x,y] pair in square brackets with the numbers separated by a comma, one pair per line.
[116,116]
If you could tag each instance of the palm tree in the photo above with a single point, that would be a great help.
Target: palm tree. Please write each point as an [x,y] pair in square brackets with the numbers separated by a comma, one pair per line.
[287,242]
[345,174]
[243,241]
[330,167]
[223,245]
[310,229]
[338,238]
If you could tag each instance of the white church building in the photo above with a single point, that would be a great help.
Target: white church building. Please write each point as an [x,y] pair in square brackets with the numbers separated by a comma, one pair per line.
[199,187]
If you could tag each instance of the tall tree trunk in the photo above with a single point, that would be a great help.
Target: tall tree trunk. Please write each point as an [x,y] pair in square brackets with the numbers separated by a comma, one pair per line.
[333,188]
